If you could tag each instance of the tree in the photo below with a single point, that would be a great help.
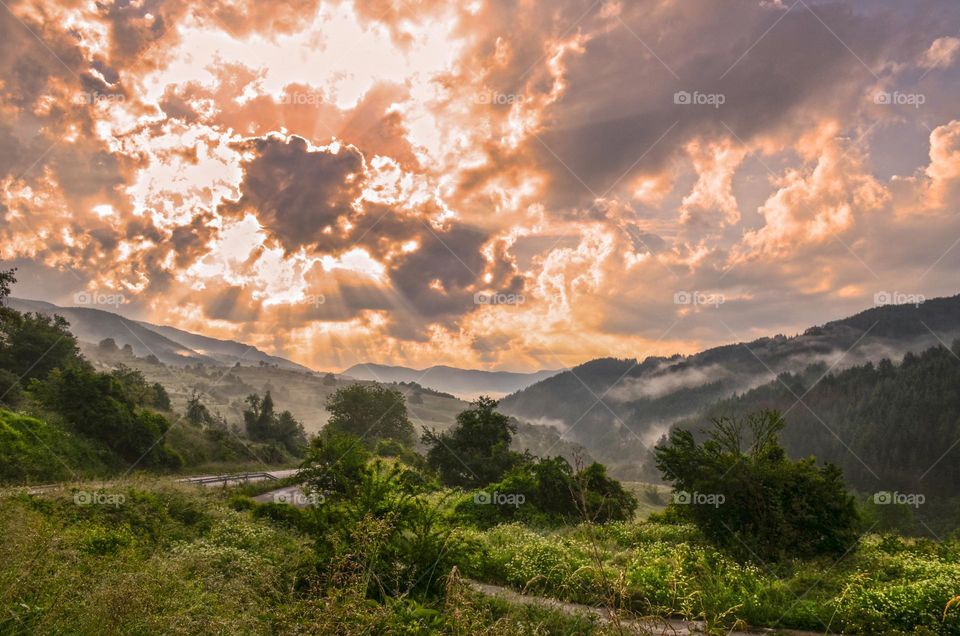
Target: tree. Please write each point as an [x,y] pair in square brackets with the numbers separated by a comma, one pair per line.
[476,451]
[553,493]
[757,503]
[10,388]
[329,380]
[33,344]
[258,416]
[7,280]
[104,407]
[108,344]
[264,425]
[371,413]
[197,412]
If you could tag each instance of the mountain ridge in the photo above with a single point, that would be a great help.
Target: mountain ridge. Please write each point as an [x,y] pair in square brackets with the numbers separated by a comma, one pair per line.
[465,382]
[619,407]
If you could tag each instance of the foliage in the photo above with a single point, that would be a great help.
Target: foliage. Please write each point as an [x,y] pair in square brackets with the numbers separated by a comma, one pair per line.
[265,425]
[32,450]
[32,345]
[371,413]
[372,518]
[889,586]
[7,279]
[476,451]
[757,503]
[108,408]
[551,493]
[10,388]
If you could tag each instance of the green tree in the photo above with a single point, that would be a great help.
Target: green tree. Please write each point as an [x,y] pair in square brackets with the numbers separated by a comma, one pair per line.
[32,345]
[197,412]
[7,280]
[263,424]
[371,413]
[476,451]
[101,406]
[757,503]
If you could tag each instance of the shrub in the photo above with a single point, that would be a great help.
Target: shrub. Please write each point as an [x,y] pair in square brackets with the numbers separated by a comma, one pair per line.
[758,503]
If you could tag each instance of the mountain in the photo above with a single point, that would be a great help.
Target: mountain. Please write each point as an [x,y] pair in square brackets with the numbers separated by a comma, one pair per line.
[226,352]
[890,427]
[619,408]
[294,387]
[169,345]
[464,383]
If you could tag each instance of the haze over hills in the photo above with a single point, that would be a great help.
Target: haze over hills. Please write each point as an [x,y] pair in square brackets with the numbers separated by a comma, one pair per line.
[177,347]
[619,408]
[464,383]
[293,386]
[171,346]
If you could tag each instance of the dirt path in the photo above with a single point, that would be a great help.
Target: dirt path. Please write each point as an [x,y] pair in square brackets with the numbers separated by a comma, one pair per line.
[661,627]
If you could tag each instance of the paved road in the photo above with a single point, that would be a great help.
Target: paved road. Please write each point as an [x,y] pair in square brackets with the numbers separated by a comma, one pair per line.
[292,495]
[231,479]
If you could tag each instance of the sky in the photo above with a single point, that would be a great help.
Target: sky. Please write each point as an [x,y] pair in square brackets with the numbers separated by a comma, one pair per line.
[491,184]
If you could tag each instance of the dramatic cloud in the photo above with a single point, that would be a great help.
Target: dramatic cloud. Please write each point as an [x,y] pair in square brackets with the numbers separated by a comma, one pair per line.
[481,183]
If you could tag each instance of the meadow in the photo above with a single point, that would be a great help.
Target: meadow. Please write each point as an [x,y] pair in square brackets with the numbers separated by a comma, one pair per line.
[153,556]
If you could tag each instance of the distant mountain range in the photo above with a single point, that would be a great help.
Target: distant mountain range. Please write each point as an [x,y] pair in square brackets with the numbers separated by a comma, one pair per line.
[619,408]
[169,345]
[464,383]
[177,347]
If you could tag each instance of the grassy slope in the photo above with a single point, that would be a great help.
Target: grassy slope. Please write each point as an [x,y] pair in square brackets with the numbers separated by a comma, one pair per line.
[887,586]
[174,559]
[177,560]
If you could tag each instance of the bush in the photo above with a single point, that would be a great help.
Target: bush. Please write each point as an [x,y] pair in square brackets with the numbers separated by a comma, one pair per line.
[757,504]
[32,450]
[550,494]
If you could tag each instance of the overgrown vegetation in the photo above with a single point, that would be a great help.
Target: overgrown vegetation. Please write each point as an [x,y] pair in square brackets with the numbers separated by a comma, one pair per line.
[382,539]
[66,420]
[744,493]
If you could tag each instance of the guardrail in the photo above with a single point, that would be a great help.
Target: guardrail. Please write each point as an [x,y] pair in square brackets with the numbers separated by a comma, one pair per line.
[225,479]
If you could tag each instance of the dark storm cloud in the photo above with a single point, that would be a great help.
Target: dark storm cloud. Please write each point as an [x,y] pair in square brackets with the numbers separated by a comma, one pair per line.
[298,193]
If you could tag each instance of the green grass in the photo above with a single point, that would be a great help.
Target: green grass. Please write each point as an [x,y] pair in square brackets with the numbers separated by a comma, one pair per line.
[888,585]
[172,558]
[35,451]
[176,559]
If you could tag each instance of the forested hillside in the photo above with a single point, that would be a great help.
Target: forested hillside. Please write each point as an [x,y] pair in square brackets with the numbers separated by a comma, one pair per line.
[888,426]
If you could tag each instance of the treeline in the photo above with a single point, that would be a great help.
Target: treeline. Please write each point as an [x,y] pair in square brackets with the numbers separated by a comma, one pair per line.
[890,427]
[60,418]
